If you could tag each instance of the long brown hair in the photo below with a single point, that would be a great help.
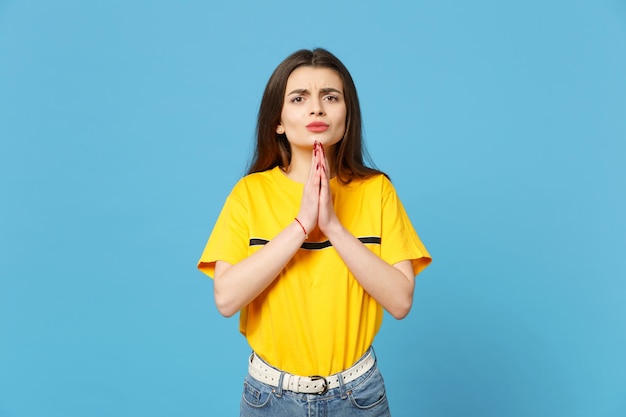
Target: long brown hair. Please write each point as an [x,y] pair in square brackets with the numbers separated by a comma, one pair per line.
[273,149]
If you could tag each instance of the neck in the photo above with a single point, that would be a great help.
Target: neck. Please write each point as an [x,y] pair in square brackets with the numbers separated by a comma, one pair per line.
[300,165]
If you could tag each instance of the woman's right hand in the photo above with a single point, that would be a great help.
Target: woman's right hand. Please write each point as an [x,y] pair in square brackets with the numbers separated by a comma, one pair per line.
[309,206]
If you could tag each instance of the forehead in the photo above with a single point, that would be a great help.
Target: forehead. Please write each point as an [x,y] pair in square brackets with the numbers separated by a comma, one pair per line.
[308,77]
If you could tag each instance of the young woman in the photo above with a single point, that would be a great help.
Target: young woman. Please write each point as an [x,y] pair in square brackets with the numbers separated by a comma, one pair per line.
[310,247]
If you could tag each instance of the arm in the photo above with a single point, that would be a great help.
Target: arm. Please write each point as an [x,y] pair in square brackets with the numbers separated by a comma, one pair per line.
[235,286]
[390,285]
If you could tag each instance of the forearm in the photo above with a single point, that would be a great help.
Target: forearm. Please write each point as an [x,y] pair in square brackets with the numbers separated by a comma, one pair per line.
[391,286]
[235,286]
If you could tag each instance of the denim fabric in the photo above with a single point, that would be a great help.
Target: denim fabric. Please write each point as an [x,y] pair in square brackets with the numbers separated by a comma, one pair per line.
[363,397]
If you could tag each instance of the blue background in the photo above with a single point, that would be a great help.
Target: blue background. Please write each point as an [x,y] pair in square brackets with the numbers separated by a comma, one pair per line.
[124,124]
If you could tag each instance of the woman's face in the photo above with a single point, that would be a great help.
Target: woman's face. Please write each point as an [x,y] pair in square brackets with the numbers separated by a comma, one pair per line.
[314,108]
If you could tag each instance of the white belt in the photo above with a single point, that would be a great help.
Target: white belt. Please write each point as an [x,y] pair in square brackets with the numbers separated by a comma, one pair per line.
[315,384]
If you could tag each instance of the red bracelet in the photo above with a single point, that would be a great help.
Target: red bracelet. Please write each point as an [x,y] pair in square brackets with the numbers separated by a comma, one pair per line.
[306,235]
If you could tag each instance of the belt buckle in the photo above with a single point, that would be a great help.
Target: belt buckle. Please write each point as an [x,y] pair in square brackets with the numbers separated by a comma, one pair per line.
[317,378]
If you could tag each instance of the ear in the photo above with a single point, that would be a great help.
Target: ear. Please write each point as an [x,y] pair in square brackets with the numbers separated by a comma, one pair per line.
[280,129]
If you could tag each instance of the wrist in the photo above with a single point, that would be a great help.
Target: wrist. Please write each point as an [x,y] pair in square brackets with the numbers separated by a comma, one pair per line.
[333,230]
[304,230]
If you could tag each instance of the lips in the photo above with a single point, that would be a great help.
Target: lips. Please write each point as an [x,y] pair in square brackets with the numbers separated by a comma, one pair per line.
[317,127]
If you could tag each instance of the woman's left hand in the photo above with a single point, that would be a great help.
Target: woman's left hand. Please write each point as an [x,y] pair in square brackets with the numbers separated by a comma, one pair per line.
[390,285]
[327,218]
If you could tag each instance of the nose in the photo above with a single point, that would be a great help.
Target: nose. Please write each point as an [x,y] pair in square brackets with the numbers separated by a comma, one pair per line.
[316,108]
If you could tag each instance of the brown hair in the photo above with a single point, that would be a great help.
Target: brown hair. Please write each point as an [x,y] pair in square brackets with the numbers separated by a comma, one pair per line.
[273,149]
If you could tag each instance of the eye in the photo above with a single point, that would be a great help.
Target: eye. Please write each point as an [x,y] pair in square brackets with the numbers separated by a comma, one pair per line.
[331,98]
[297,99]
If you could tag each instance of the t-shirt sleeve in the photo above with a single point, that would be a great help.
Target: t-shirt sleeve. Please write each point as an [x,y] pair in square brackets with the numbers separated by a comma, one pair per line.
[399,241]
[229,239]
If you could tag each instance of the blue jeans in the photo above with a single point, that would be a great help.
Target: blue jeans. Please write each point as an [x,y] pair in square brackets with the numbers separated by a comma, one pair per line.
[365,396]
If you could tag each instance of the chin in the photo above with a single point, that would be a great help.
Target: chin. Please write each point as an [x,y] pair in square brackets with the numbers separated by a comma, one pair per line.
[325,140]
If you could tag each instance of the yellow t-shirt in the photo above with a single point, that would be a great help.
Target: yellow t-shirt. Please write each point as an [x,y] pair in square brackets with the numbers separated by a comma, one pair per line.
[315,318]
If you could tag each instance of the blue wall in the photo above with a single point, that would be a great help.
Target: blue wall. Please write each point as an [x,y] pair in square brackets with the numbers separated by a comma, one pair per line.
[123,126]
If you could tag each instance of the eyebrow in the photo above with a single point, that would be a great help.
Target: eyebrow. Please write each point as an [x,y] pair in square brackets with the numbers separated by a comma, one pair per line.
[323,91]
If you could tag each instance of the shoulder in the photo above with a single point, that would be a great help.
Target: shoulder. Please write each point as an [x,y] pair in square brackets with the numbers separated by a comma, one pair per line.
[374,183]
[253,181]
